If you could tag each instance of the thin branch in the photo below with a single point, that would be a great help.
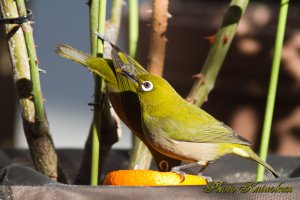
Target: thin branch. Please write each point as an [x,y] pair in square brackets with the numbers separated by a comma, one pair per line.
[264,146]
[93,12]
[99,86]
[217,53]
[113,26]
[133,27]
[95,126]
[158,36]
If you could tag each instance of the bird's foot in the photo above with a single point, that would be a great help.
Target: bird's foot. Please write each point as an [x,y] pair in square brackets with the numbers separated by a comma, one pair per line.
[181,173]
[207,178]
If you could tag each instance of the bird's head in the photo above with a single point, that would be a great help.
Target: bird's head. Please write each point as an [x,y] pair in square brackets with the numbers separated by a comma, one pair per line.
[152,90]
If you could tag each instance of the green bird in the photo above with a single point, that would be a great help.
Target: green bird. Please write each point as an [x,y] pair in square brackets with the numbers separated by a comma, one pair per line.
[183,131]
[120,90]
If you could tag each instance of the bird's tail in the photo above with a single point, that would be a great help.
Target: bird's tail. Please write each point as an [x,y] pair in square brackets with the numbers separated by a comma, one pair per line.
[247,152]
[100,66]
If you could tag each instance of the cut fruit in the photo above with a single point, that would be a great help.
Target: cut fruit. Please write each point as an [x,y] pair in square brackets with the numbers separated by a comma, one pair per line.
[150,178]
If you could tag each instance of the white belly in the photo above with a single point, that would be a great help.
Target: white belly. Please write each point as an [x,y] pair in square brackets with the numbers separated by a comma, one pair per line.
[187,151]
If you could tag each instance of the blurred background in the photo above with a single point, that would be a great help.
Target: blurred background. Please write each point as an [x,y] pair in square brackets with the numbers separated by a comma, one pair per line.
[238,98]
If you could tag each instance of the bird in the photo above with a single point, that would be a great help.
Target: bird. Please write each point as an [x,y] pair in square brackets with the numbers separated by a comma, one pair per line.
[181,130]
[120,90]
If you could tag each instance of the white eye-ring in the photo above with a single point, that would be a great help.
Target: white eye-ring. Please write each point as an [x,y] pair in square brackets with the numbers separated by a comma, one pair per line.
[147,86]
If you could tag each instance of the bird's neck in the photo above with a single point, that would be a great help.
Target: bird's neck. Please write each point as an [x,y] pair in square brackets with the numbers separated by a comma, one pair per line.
[165,104]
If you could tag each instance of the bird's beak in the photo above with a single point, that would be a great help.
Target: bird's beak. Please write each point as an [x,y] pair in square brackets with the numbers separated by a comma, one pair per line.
[130,76]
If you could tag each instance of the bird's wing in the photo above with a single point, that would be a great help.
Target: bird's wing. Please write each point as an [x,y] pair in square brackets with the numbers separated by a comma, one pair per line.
[127,92]
[212,131]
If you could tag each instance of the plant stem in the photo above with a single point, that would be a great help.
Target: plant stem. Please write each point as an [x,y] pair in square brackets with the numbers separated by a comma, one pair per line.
[33,62]
[158,36]
[94,8]
[96,132]
[95,127]
[272,87]
[113,26]
[133,27]
[101,24]
[217,53]
[116,13]
[99,85]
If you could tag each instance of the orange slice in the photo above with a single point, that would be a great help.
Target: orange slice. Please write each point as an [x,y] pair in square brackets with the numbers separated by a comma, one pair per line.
[150,178]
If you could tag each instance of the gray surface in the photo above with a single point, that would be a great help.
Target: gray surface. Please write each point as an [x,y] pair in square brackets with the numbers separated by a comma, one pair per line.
[19,182]
[109,192]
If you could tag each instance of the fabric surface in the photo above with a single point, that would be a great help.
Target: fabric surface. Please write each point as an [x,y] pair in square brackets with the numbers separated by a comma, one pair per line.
[19,181]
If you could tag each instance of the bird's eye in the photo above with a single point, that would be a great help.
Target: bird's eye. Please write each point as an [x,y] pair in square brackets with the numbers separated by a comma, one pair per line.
[147,86]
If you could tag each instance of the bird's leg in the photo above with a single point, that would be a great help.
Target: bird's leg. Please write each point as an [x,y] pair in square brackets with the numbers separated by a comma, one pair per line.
[181,173]
[178,169]
[203,165]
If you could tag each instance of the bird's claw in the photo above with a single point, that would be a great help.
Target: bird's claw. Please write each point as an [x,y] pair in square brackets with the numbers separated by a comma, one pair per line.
[207,178]
[180,173]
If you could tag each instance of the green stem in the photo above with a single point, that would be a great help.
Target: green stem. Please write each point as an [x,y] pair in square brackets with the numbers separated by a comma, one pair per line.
[101,24]
[96,133]
[133,27]
[95,127]
[113,25]
[97,45]
[115,18]
[116,12]
[272,87]
[94,8]
[33,62]
[217,53]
